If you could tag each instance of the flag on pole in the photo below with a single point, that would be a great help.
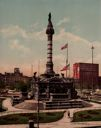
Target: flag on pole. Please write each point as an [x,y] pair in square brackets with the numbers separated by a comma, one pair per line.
[65,46]
[66,67]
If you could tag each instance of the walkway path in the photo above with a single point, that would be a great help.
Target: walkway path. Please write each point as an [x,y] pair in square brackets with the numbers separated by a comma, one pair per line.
[7,104]
[65,122]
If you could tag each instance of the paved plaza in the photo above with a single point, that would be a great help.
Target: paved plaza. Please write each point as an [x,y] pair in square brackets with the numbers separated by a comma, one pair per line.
[65,122]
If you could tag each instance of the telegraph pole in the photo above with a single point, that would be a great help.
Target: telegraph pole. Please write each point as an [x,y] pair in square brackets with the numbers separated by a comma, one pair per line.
[39,68]
[67,59]
[37,84]
[32,70]
[92,49]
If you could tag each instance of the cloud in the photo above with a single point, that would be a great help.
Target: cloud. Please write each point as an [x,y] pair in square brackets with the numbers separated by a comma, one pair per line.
[12,31]
[96,51]
[79,47]
[76,28]
[96,44]
[62,35]
[97,58]
[67,36]
[59,58]
[38,35]
[15,45]
[63,21]
[34,26]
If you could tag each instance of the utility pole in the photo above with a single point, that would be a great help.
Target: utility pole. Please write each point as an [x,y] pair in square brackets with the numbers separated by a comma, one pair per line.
[67,59]
[38,104]
[92,49]
[32,70]
[39,68]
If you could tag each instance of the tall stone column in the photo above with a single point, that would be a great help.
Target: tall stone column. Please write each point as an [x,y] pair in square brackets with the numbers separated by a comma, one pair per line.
[49,32]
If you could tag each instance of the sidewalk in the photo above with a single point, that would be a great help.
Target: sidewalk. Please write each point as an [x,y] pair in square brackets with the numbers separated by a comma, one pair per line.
[65,122]
[7,103]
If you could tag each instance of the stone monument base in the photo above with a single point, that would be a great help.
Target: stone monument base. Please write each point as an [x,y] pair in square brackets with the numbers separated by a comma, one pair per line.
[30,105]
[55,104]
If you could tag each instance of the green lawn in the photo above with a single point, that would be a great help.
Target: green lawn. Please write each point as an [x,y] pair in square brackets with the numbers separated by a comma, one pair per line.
[24,118]
[96,101]
[87,115]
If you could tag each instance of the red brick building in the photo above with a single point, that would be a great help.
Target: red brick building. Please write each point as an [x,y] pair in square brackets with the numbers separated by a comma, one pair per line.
[86,75]
[99,80]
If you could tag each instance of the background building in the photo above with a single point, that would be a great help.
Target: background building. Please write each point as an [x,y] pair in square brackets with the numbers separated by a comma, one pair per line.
[12,79]
[86,75]
[99,80]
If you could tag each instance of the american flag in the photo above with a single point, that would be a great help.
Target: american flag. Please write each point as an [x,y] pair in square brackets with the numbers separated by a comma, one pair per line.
[65,46]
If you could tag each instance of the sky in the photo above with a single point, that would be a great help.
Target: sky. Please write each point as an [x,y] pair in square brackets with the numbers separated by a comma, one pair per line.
[23,41]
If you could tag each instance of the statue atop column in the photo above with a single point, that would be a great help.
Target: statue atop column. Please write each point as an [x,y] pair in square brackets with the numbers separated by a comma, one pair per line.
[49,19]
[49,32]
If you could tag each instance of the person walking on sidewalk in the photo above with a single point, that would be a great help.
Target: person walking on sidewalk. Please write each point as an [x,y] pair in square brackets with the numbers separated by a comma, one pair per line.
[68,113]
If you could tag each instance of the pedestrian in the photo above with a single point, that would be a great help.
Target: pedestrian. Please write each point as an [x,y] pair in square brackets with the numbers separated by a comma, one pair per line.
[68,113]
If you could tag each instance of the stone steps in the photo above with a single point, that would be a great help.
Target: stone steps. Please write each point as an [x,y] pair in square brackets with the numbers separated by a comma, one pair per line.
[63,104]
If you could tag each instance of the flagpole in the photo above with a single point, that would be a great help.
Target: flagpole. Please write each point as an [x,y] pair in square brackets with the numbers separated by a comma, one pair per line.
[69,70]
[39,68]
[67,59]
